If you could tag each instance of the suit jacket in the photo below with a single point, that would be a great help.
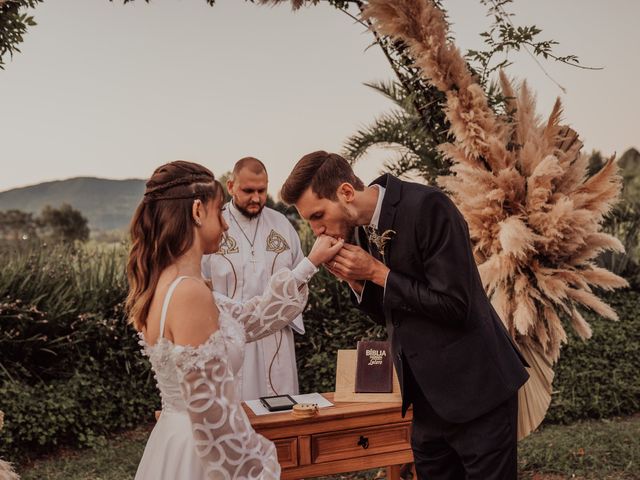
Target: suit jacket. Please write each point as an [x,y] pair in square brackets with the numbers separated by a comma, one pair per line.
[440,322]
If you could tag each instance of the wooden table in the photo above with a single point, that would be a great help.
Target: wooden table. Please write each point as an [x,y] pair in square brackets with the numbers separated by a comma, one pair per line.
[344,438]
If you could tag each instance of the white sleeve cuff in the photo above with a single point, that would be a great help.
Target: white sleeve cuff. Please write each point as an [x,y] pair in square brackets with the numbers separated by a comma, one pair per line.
[359,295]
[304,271]
[297,325]
[384,289]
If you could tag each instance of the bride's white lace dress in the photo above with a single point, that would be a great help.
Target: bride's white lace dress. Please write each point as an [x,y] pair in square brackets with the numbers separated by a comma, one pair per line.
[203,431]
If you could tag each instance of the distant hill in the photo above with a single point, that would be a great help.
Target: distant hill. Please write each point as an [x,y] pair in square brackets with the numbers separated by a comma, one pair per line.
[107,204]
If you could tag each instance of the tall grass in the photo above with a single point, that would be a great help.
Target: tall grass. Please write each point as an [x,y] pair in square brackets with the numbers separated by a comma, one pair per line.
[71,371]
[62,279]
[70,366]
[49,298]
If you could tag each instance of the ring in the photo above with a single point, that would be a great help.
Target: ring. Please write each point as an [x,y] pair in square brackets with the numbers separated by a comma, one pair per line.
[334,264]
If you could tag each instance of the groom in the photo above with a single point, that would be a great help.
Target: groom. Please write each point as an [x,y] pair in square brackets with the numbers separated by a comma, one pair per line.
[410,265]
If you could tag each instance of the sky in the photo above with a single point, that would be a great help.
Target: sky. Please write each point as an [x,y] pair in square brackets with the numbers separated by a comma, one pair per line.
[110,90]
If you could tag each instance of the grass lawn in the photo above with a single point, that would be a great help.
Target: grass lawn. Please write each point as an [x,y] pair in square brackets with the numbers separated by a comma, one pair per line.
[594,450]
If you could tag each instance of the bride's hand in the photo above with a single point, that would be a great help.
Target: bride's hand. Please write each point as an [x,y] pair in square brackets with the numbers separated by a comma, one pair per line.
[324,249]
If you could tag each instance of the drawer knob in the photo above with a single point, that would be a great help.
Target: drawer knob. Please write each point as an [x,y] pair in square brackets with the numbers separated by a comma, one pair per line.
[363,442]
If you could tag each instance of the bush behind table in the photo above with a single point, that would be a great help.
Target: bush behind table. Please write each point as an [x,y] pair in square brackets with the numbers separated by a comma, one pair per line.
[71,372]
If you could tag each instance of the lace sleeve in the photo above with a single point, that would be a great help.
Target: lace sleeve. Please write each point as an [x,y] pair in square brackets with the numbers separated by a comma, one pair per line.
[284,298]
[225,441]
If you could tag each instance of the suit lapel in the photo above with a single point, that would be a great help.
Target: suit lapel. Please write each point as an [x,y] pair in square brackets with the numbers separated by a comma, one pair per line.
[392,195]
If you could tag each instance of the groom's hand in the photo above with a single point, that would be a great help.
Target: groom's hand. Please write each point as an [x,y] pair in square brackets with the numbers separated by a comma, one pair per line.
[356,285]
[353,264]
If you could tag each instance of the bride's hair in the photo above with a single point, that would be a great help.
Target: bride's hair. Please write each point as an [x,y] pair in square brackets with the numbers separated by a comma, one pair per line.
[162,229]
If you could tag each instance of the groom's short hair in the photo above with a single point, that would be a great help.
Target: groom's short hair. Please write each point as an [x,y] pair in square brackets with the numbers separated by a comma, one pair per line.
[322,171]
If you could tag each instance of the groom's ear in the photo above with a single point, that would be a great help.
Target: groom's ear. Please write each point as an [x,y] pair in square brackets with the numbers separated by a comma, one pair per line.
[346,192]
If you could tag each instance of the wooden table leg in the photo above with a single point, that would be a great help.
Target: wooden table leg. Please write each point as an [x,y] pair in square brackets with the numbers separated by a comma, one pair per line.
[393,472]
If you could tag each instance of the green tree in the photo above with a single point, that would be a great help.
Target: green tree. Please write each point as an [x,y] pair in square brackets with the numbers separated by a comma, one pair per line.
[288,211]
[405,131]
[503,37]
[13,25]
[629,164]
[624,220]
[17,225]
[418,123]
[596,162]
[64,224]
[223,181]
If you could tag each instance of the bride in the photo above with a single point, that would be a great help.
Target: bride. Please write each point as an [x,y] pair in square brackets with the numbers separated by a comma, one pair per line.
[194,340]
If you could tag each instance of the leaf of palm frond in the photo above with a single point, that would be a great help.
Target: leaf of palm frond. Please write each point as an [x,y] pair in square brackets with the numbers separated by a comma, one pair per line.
[403,98]
[567,138]
[387,129]
[406,163]
[391,89]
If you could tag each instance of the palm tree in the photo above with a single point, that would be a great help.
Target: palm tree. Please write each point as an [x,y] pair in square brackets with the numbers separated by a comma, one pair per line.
[412,136]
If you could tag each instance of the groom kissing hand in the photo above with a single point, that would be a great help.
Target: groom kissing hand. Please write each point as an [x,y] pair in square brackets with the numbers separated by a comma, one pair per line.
[410,264]
[356,266]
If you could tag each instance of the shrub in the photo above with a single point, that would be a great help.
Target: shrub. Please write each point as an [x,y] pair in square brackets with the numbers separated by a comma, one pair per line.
[70,367]
[71,371]
[77,411]
[331,323]
[599,378]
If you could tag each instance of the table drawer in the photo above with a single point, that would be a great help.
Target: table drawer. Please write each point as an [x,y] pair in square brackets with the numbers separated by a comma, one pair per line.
[346,444]
[287,449]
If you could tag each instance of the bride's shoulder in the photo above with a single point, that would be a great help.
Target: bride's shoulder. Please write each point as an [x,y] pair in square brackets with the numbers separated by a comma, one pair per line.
[192,316]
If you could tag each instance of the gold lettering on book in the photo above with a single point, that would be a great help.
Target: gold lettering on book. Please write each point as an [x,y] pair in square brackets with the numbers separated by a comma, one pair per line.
[375,356]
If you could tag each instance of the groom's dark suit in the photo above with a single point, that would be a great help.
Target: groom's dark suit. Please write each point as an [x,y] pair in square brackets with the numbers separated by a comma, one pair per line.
[455,361]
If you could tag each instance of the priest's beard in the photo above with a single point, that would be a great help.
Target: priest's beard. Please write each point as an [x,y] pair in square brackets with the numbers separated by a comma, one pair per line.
[249,214]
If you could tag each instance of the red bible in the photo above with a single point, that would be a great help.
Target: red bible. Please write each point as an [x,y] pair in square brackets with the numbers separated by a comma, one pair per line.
[374,368]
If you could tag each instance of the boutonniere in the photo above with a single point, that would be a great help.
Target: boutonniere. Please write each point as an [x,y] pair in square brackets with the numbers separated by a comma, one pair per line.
[380,240]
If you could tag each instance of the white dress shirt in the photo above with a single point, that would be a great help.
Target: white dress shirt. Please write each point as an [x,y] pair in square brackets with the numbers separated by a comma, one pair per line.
[375,220]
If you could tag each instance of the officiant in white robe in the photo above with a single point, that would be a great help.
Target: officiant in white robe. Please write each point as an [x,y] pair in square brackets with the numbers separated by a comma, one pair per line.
[259,242]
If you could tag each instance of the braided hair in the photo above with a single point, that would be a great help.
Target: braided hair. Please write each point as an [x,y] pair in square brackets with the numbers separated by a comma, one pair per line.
[162,228]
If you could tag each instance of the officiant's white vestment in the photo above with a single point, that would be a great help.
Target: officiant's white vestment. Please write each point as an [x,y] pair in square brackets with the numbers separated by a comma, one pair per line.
[254,249]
